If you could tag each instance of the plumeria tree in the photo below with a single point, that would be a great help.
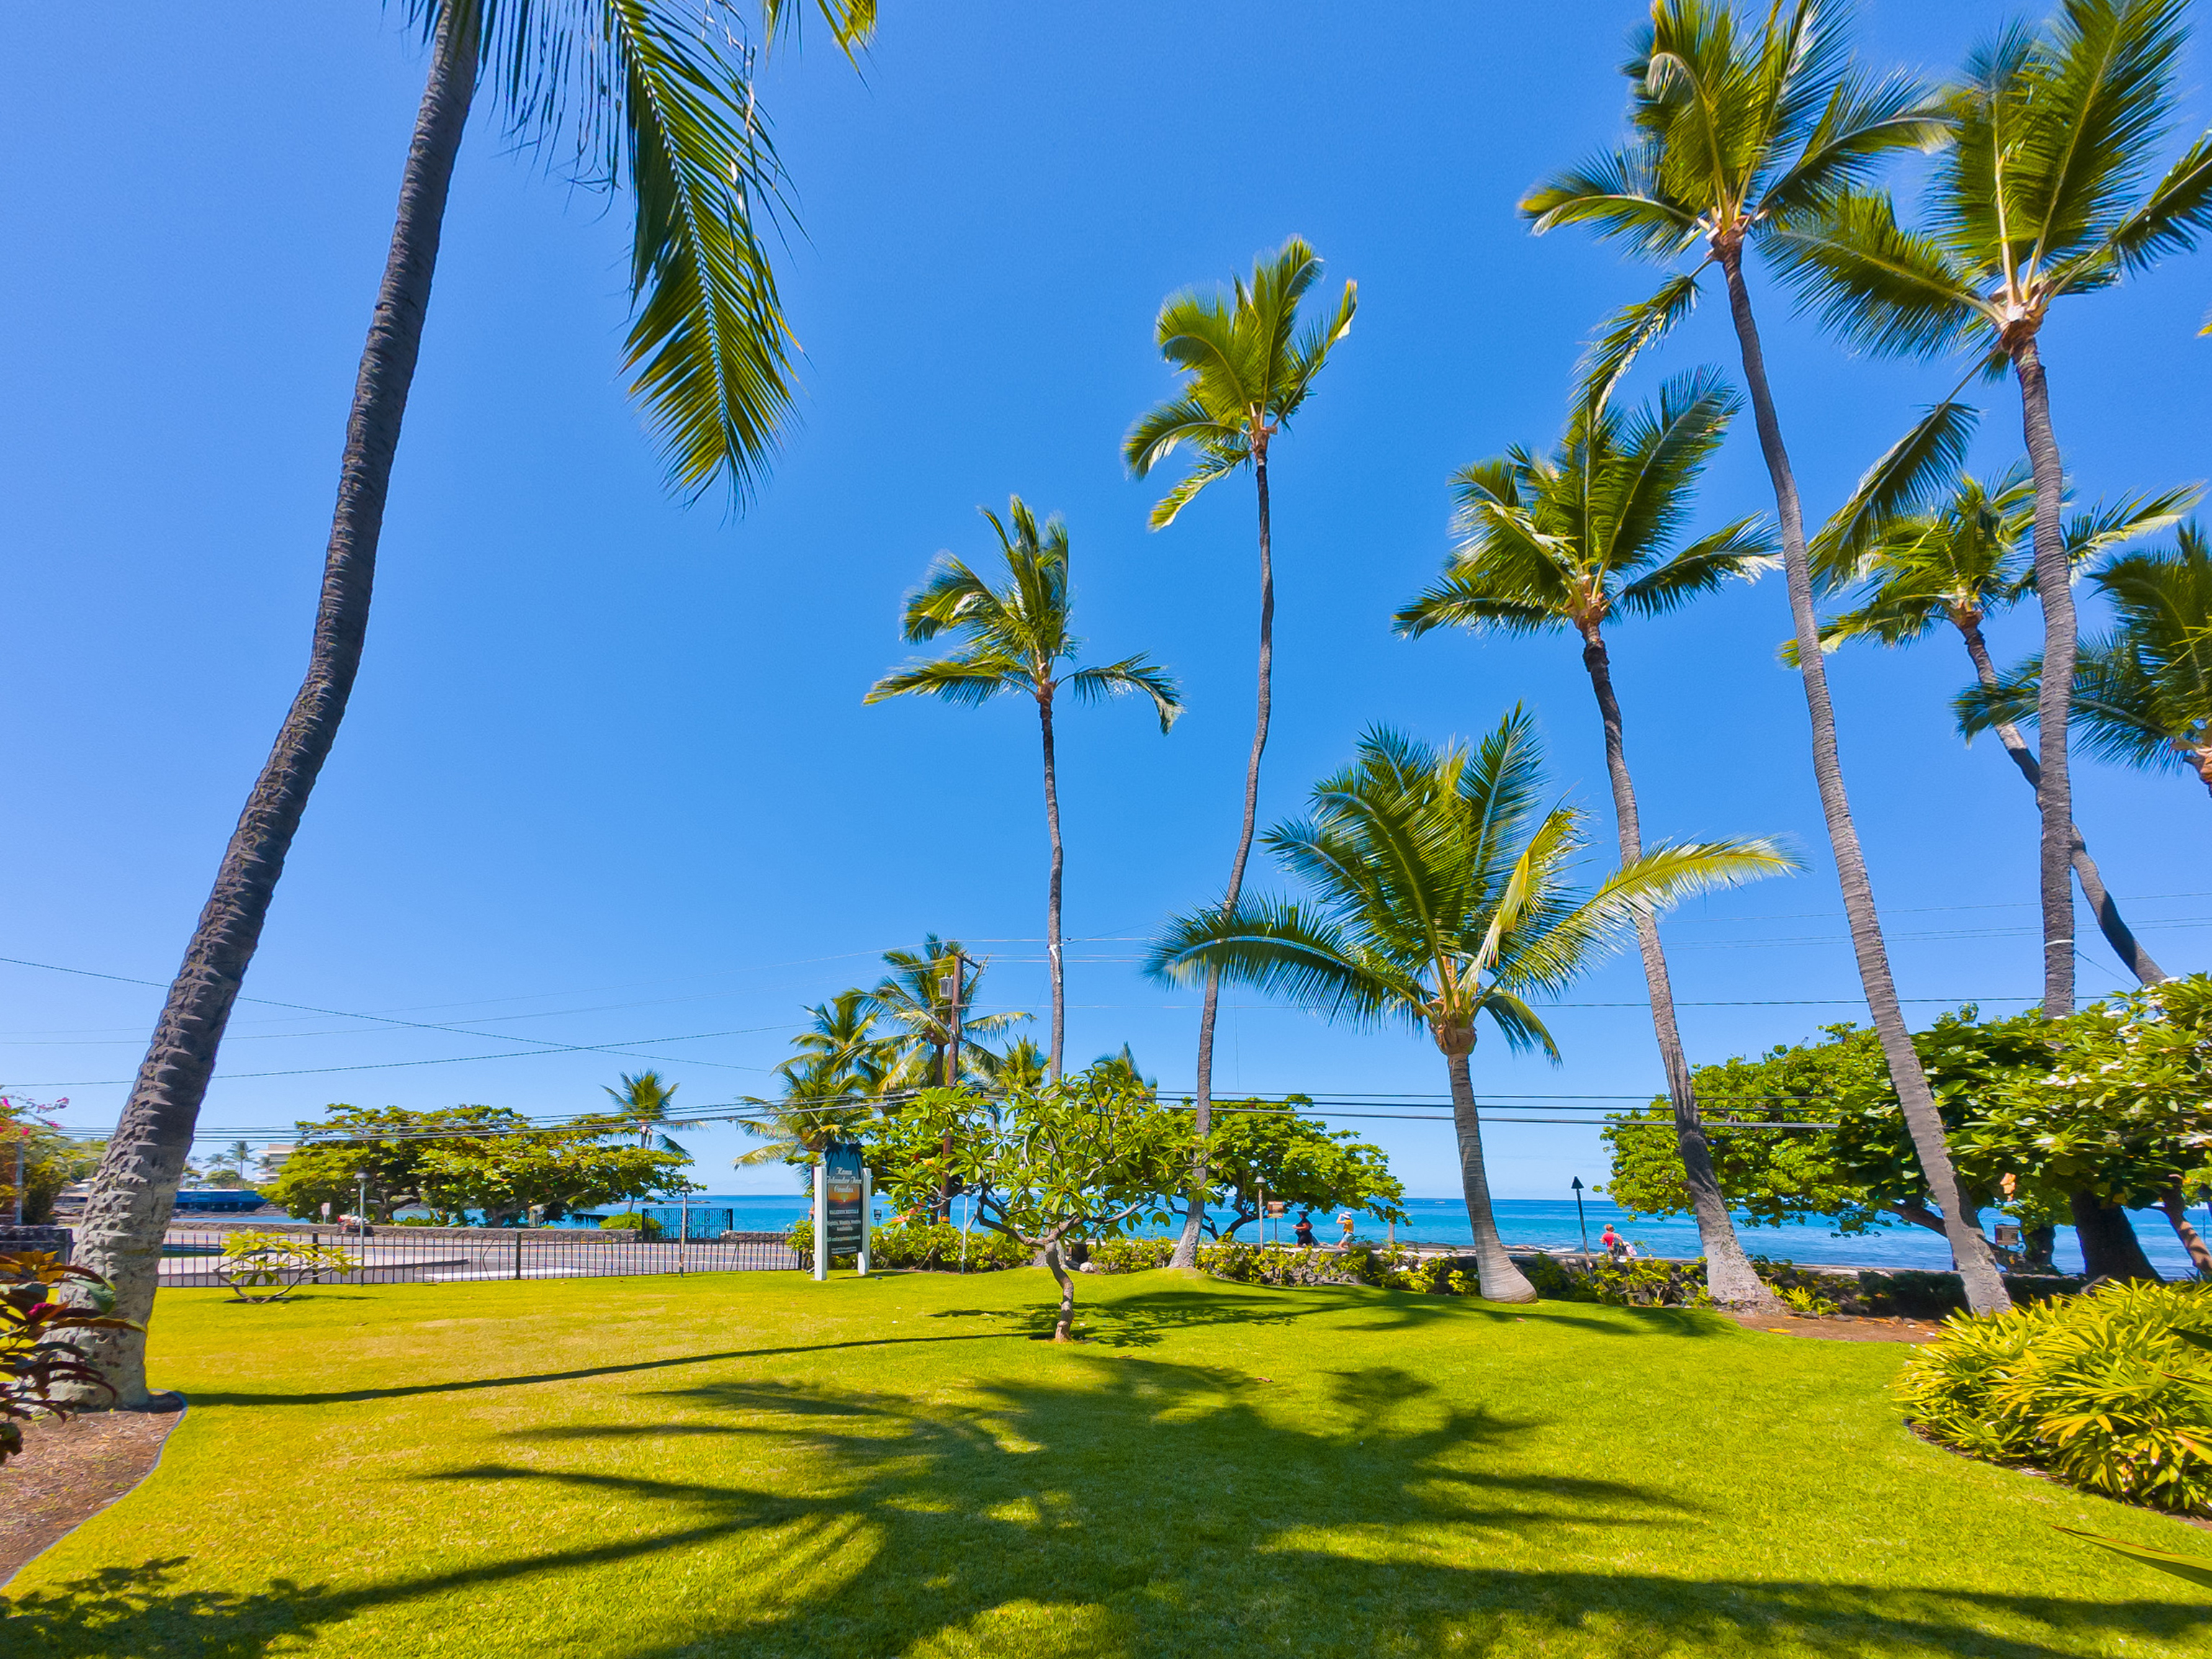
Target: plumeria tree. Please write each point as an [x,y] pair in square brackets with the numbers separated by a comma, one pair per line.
[1080,1156]
[1264,1152]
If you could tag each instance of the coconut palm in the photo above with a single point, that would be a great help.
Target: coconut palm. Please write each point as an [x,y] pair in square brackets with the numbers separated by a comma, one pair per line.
[922,1000]
[1247,367]
[2043,193]
[2142,692]
[1442,895]
[653,95]
[840,1077]
[1742,130]
[1021,1065]
[1963,555]
[1018,639]
[1574,540]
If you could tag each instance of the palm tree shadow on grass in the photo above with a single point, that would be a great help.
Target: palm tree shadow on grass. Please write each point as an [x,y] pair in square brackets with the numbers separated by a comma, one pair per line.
[1383,1519]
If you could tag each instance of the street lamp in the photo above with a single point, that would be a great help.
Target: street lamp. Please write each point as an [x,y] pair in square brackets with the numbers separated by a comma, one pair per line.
[360,1213]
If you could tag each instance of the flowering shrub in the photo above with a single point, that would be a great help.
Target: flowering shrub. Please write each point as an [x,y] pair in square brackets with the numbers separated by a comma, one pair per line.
[268,1266]
[933,1247]
[2112,1391]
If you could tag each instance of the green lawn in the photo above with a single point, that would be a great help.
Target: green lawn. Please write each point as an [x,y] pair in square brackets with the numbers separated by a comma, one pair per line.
[752,1464]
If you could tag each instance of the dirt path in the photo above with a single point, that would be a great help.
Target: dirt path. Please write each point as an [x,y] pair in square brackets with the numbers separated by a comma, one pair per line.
[1844,1327]
[69,1471]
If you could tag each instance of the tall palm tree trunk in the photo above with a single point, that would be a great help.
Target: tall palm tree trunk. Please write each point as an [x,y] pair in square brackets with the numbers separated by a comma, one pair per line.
[1496,1276]
[2054,698]
[2109,1249]
[2106,909]
[2177,1213]
[137,1183]
[1978,1269]
[1186,1249]
[1052,895]
[1730,1279]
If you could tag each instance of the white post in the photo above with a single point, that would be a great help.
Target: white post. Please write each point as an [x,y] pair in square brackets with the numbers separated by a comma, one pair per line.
[821,1220]
[867,1213]
[682,1229]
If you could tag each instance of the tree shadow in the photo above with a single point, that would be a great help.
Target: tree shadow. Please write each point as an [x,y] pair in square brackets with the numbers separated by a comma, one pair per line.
[1126,1506]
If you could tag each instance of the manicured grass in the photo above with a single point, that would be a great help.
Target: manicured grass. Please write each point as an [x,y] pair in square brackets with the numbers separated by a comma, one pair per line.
[751,1464]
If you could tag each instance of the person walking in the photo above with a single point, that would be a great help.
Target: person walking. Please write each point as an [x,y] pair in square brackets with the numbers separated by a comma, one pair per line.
[1303,1231]
[1612,1243]
[1345,1221]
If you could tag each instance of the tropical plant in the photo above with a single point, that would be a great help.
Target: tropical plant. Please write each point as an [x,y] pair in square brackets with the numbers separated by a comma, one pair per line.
[841,1075]
[2142,692]
[655,95]
[2044,192]
[1020,1064]
[1570,542]
[544,1173]
[261,1266]
[643,1101]
[1018,639]
[1941,545]
[925,998]
[1078,1157]
[1742,131]
[1247,369]
[2110,1390]
[44,1310]
[388,1144]
[1442,895]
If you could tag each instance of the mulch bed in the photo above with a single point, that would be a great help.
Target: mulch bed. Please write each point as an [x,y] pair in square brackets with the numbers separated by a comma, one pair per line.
[1844,1327]
[72,1470]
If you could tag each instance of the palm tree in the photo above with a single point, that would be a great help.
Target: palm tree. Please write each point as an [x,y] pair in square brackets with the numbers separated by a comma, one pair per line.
[2041,195]
[1442,895]
[2142,692]
[654,93]
[1572,541]
[1964,555]
[1022,1065]
[840,1075]
[1742,131]
[925,996]
[643,1099]
[1247,369]
[1017,639]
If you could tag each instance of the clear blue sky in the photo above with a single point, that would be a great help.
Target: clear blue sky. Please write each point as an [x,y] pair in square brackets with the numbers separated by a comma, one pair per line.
[607,779]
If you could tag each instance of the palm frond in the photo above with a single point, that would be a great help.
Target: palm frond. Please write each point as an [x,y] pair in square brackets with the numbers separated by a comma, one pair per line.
[1138,674]
[1889,290]
[1281,948]
[1925,459]
[1744,550]
[1627,333]
[1619,193]
[968,681]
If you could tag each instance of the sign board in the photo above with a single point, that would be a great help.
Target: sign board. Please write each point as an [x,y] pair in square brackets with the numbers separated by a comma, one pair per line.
[1277,1207]
[845,1222]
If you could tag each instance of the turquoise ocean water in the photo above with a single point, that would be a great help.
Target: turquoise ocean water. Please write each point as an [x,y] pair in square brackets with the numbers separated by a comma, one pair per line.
[1552,1224]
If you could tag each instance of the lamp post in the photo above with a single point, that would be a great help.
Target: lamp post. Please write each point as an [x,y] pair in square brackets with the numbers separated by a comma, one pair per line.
[361,1212]
[1579,1221]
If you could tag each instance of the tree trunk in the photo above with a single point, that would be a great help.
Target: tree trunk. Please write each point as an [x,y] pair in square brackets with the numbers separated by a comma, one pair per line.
[1496,1276]
[1063,1330]
[2131,954]
[1186,1249]
[1052,898]
[2054,698]
[1978,1268]
[1730,1279]
[2177,1211]
[2109,1249]
[137,1183]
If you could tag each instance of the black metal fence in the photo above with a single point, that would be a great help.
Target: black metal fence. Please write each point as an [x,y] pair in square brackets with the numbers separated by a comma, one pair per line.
[192,1252]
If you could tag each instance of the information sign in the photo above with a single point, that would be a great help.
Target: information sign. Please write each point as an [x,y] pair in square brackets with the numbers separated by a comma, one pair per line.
[846,1221]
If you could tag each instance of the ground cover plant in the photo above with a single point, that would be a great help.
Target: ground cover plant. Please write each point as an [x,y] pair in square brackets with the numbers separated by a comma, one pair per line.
[753,1464]
[2112,1391]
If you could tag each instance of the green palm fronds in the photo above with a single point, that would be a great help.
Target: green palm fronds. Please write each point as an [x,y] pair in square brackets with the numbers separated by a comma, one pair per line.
[1441,891]
[1247,367]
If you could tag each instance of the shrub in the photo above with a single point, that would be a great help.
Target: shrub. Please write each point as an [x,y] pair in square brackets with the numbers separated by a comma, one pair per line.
[2110,1390]
[1131,1255]
[933,1248]
[268,1266]
[629,1221]
[39,1354]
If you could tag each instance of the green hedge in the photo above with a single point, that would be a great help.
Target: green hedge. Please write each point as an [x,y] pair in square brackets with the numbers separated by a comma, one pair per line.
[935,1247]
[2110,1390]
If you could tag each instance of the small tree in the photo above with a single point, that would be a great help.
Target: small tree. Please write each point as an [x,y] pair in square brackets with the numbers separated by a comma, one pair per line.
[1073,1157]
[1260,1150]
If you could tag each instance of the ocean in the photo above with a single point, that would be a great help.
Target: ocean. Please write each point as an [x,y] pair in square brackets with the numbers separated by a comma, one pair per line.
[1552,1224]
